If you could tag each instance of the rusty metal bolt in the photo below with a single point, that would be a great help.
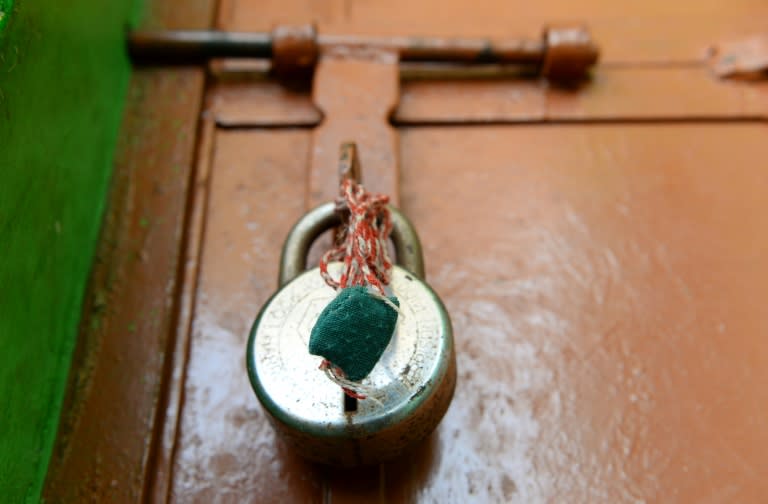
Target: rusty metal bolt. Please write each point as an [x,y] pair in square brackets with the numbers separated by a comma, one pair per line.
[294,51]
[569,52]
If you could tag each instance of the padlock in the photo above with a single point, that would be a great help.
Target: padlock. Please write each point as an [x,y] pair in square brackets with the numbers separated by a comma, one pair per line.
[413,382]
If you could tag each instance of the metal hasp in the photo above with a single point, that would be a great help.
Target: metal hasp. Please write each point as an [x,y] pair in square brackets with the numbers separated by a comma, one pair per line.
[563,53]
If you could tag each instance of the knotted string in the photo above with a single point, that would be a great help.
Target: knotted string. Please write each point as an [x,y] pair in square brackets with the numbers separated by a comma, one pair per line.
[362,247]
[363,244]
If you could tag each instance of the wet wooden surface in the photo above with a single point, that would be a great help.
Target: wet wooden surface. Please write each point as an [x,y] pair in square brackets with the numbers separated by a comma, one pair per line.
[609,328]
[604,280]
[689,93]
[352,115]
[606,297]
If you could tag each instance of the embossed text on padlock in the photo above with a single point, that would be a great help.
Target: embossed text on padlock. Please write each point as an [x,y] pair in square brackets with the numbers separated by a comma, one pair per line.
[413,382]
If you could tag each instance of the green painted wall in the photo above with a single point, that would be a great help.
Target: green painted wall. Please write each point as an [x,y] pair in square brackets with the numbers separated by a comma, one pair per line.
[6,6]
[63,78]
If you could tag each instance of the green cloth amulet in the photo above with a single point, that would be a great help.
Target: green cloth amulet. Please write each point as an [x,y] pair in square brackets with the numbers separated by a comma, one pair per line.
[353,331]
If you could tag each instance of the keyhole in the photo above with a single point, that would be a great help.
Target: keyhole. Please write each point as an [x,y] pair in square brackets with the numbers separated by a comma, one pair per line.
[350,404]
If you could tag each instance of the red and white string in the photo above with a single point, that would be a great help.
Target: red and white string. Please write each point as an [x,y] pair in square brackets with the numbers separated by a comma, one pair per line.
[363,250]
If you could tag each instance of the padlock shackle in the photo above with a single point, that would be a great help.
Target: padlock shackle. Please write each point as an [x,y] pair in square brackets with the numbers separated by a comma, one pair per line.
[293,260]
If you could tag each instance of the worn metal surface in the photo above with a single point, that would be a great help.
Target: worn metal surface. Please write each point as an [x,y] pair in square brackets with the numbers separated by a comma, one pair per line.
[186,47]
[414,382]
[563,53]
[412,385]
[293,259]
[294,51]
[349,165]
[651,32]
[569,53]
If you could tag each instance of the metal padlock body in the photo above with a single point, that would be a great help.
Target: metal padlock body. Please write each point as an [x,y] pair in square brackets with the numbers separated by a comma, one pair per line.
[413,382]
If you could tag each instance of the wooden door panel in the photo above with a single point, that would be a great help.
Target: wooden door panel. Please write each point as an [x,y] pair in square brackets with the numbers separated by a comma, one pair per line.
[605,283]
[606,286]
[225,450]
[612,94]
[629,93]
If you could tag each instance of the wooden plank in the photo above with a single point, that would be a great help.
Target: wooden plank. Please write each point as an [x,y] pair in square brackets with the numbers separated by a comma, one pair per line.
[605,285]
[226,449]
[160,478]
[614,93]
[254,101]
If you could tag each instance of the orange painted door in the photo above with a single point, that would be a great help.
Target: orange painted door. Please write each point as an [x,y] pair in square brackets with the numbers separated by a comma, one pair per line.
[601,250]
